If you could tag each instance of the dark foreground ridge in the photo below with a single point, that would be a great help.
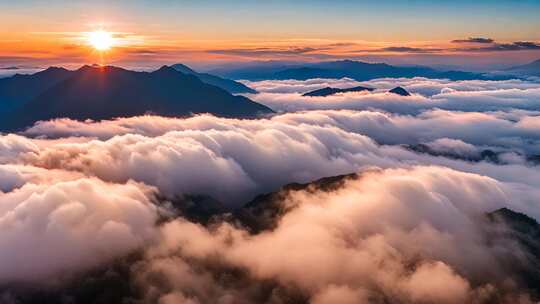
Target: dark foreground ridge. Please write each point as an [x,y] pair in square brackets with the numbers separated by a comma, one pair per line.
[116,281]
[19,89]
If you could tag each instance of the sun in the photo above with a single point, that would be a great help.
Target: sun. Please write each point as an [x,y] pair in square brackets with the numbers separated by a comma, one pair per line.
[101,40]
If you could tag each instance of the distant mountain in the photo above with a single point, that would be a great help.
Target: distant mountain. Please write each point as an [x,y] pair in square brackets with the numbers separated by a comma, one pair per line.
[228,85]
[331,91]
[360,71]
[18,89]
[486,155]
[108,92]
[530,69]
[259,70]
[399,91]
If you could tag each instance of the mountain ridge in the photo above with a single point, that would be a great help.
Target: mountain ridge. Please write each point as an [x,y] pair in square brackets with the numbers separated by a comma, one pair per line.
[20,88]
[229,85]
[529,69]
[357,70]
[107,92]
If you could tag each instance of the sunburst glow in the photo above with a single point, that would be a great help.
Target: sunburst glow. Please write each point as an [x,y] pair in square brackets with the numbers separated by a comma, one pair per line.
[101,40]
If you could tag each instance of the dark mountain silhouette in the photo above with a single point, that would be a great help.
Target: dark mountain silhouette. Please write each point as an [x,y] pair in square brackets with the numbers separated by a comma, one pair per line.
[259,214]
[486,155]
[519,223]
[365,71]
[108,92]
[508,226]
[530,69]
[400,91]
[258,70]
[304,73]
[18,89]
[197,208]
[331,91]
[262,213]
[357,70]
[228,85]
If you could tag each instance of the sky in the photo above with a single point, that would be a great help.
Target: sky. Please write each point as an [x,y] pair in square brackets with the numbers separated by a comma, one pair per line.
[151,33]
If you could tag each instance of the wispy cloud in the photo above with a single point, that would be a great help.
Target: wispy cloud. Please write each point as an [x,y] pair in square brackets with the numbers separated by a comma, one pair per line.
[483,45]
[405,49]
[514,46]
[340,50]
[264,51]
[474,40]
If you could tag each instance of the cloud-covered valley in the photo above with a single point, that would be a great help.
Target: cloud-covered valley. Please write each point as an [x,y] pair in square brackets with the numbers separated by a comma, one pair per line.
[411,226]
[470,96]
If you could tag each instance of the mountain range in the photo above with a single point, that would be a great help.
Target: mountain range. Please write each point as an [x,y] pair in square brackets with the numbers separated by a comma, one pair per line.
[19,88]
[231,86]
[104,92]
[357,70]
[529,69]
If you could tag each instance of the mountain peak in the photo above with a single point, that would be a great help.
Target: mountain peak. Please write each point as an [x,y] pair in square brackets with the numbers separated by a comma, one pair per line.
[87,67]
[99,68]
[54,69]
[167,70]
[400,91]
[183,68]
[228,85]
[327,91]
[511,215]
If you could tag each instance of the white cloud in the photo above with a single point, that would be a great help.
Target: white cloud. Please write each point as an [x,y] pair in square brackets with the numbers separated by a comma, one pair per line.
[55,224]
[74,195]
[475,95]
[379,238]
[233,160]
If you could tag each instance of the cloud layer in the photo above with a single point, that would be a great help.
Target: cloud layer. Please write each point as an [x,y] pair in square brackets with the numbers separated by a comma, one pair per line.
[55,222]
[477,96]
[393,235]
[410,228]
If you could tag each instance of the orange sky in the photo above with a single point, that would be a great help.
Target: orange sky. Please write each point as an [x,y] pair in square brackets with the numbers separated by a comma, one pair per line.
[151,33]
